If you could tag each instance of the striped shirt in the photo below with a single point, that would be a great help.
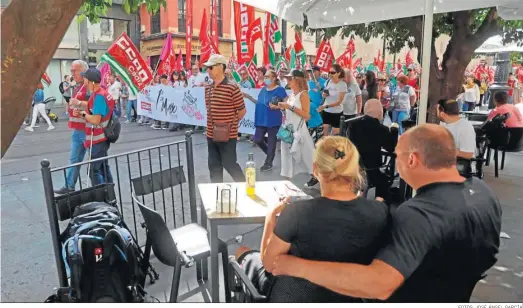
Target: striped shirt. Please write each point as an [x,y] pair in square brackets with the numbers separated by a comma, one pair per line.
[223,103]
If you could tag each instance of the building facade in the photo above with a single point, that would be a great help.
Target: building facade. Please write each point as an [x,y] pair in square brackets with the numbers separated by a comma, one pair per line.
[172,21]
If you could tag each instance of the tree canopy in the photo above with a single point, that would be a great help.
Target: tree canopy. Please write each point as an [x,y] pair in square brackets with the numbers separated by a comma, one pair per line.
[93,9]
[477,25]
[31,34]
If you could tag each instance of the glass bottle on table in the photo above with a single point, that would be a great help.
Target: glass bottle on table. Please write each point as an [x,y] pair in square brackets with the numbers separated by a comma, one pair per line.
[250,175]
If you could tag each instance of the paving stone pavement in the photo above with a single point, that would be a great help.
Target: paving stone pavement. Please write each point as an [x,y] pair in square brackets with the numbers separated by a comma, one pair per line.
[28,272]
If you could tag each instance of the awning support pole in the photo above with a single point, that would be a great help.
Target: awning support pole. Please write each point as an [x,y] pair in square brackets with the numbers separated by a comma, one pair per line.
[425,61]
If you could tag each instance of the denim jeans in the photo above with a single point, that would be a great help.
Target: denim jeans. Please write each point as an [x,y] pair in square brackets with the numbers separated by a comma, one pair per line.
[131,104]
[398,116]
[222,155]
[267,145]
[76,155]
[100,171]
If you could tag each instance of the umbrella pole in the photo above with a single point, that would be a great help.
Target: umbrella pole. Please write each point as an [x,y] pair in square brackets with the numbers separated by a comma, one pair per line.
[425,61]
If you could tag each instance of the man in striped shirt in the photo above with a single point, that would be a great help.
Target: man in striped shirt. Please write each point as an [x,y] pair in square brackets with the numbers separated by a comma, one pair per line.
[225,104]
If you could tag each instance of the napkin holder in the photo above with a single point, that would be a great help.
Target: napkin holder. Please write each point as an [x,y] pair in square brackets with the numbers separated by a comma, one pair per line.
[226,199]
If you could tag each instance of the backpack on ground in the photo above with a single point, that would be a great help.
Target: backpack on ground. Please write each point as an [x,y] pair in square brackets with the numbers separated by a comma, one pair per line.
[102,260]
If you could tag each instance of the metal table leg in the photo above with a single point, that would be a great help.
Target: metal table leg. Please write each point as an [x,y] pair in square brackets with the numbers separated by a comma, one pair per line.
[202,267]
[215,271]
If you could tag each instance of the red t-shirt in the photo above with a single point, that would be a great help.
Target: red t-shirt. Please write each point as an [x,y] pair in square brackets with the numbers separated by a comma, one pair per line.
[511,84]
[414,84]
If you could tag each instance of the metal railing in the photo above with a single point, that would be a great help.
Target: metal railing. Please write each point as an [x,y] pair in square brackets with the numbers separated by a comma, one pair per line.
[162,175]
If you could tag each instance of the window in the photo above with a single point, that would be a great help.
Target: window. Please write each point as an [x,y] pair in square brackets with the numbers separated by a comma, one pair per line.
[218,15]
[155,23]
[106,31]
[181,16]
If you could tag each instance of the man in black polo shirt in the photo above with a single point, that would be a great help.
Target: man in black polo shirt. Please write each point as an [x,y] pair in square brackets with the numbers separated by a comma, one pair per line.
[441,242]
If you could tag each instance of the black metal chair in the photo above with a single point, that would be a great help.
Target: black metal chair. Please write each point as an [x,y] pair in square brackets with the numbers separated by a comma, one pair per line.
[241,286]
[181,246]
[506,140]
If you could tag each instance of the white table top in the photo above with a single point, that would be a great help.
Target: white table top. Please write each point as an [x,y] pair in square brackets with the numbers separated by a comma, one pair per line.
[476,123]
[256,206]
[477,112]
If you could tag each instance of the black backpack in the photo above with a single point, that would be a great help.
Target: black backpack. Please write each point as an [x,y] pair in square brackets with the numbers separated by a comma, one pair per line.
[113,128]
[101,257]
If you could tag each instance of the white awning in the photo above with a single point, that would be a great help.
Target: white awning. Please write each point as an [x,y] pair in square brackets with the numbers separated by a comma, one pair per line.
[333,13]
[495,45]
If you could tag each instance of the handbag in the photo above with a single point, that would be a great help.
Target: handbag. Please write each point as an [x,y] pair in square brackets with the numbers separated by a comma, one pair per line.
[286,132]
[221,131]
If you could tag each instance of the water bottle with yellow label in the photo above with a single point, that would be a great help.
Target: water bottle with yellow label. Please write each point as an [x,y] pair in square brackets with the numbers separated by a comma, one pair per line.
[250,175]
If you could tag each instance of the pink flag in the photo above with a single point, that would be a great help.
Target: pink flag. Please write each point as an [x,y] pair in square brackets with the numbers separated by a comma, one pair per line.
[179,61]
[105,71]
[167,46]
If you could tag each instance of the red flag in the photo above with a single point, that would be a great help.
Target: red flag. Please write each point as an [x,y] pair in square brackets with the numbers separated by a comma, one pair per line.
[268,39]
[325,56]
[46,79]
[351,46]
[254,33]
[124,59]
[288,53]
[188,34]
[179,61]
[408,59]
[243,16]
[168,65]
[214,23]
[345,60]
[207,47]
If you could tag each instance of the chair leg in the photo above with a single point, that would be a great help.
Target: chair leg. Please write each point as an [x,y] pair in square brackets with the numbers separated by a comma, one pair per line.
[176,282]
[496,172]
[502,160]
[487,162]
[225,265]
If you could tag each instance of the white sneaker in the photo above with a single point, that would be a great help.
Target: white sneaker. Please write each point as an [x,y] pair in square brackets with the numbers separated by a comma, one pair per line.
[126,122]
[26,123]
[51,127]
[29,129]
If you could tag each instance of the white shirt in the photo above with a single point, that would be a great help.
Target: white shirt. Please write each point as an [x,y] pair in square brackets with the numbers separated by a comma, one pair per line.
[464,135]
[197,80]
[349,101]
[334,92]
[115,89]
[472,94]
[178,84]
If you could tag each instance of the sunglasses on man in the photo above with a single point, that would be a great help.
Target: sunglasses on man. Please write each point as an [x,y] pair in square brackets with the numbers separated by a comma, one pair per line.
[332,73]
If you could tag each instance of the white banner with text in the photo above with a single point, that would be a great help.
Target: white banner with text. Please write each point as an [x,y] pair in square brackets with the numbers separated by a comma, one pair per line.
[186,106]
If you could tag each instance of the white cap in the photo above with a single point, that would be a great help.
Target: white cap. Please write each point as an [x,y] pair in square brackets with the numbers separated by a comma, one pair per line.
[216,59]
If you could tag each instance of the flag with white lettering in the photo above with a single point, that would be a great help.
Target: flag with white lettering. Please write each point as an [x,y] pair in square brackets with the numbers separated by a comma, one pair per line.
[126,61]
[243,16]
[46,79]
[325,56]
[254,33]
[272,36]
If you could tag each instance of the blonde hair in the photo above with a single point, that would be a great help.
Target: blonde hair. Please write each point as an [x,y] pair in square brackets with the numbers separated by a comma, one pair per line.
[337,159]
[301,83]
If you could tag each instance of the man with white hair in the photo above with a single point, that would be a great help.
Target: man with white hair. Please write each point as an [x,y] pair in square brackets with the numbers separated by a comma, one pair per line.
[77,124]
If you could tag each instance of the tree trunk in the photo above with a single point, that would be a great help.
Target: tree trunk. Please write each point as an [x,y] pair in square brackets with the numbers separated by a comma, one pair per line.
[31,33]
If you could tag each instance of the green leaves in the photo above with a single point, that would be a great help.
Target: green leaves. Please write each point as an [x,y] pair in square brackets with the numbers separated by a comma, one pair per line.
[402,32]
[93,9]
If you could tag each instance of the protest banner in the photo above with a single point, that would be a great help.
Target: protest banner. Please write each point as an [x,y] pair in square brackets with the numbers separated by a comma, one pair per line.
[186,106]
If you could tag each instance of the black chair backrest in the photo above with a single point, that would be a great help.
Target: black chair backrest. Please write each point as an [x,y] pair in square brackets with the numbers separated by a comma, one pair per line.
[157,181]
[163,244]
[515,142]
[66,204]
